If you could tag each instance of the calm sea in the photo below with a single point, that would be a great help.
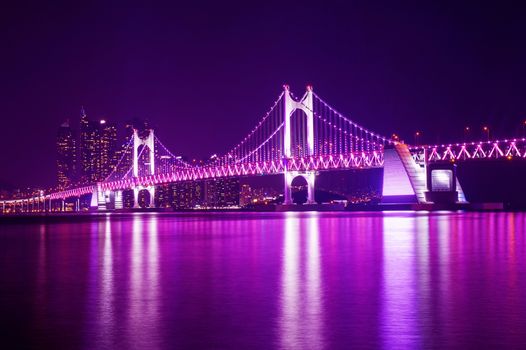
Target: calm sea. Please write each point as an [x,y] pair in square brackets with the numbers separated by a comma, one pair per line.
[398,280]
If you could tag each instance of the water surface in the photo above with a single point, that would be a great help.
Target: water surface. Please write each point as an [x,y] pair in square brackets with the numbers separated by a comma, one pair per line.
[401,280]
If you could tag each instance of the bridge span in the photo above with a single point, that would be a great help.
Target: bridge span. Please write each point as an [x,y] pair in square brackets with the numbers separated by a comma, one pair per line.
[297,137]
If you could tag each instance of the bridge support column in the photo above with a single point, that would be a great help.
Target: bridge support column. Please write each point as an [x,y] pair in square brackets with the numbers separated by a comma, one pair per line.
[101,199]
[288,191]
[118,200]
[136,197]
[310,177]
[94,202]
[151,190]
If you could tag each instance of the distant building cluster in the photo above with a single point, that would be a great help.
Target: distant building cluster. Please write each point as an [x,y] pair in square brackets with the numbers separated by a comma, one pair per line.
[88,156]
[91,154]
[66,156]
[202,194]
[250,196]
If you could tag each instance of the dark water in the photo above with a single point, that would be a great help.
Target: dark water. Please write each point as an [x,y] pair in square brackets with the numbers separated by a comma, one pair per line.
[263,281]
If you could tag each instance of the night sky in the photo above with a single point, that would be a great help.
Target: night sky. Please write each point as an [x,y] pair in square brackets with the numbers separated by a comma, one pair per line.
[205,75]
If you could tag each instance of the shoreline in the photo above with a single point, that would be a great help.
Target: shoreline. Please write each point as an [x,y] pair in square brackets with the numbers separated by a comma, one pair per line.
[326,208]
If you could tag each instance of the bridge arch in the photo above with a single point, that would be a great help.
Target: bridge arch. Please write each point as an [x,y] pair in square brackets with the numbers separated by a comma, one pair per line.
[145,199]
[309,178]
[300,196]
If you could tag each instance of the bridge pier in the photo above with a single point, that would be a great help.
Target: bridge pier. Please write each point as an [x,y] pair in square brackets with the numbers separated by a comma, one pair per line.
[101,200]
[151,190]
[118,200]
[442,183]
[309,176]
[136,191]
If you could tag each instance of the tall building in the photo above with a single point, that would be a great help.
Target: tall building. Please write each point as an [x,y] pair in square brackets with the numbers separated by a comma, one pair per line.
[108,149]
[98,149]
[187,194]
[89,135]
[66,156]
[222,192]
[124,153]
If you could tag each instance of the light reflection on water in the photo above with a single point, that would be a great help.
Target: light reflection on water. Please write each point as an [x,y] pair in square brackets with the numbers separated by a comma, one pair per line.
[266,280]
[301,316]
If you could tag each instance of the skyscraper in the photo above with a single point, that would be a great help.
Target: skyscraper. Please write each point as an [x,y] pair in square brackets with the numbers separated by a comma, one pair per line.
[88,149]
[66,156]
[108,149]
[98,149]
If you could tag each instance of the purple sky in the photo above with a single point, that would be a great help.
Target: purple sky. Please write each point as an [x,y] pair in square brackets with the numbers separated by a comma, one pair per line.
[205,75]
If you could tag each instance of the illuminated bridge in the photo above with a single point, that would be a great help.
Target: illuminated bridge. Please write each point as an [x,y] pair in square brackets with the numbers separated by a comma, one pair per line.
[297,137]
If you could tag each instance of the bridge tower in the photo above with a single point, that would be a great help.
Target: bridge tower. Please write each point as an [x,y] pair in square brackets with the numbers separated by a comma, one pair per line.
[290,105]
[149,143]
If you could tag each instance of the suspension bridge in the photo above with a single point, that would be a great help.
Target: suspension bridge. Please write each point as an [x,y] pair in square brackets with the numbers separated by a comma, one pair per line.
[297,137]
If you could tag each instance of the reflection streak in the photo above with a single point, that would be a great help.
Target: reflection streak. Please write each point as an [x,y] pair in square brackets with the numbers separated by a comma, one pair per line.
[313,303]
[398,314]
[290,317]
[143,318]
[301,310]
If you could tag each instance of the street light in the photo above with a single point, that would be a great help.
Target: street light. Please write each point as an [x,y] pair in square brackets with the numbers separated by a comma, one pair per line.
[486,130]
[417,135]
[467,129]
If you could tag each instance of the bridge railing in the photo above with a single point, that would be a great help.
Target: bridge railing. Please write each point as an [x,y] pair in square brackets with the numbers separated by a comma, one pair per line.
[342,161]
[507,148]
